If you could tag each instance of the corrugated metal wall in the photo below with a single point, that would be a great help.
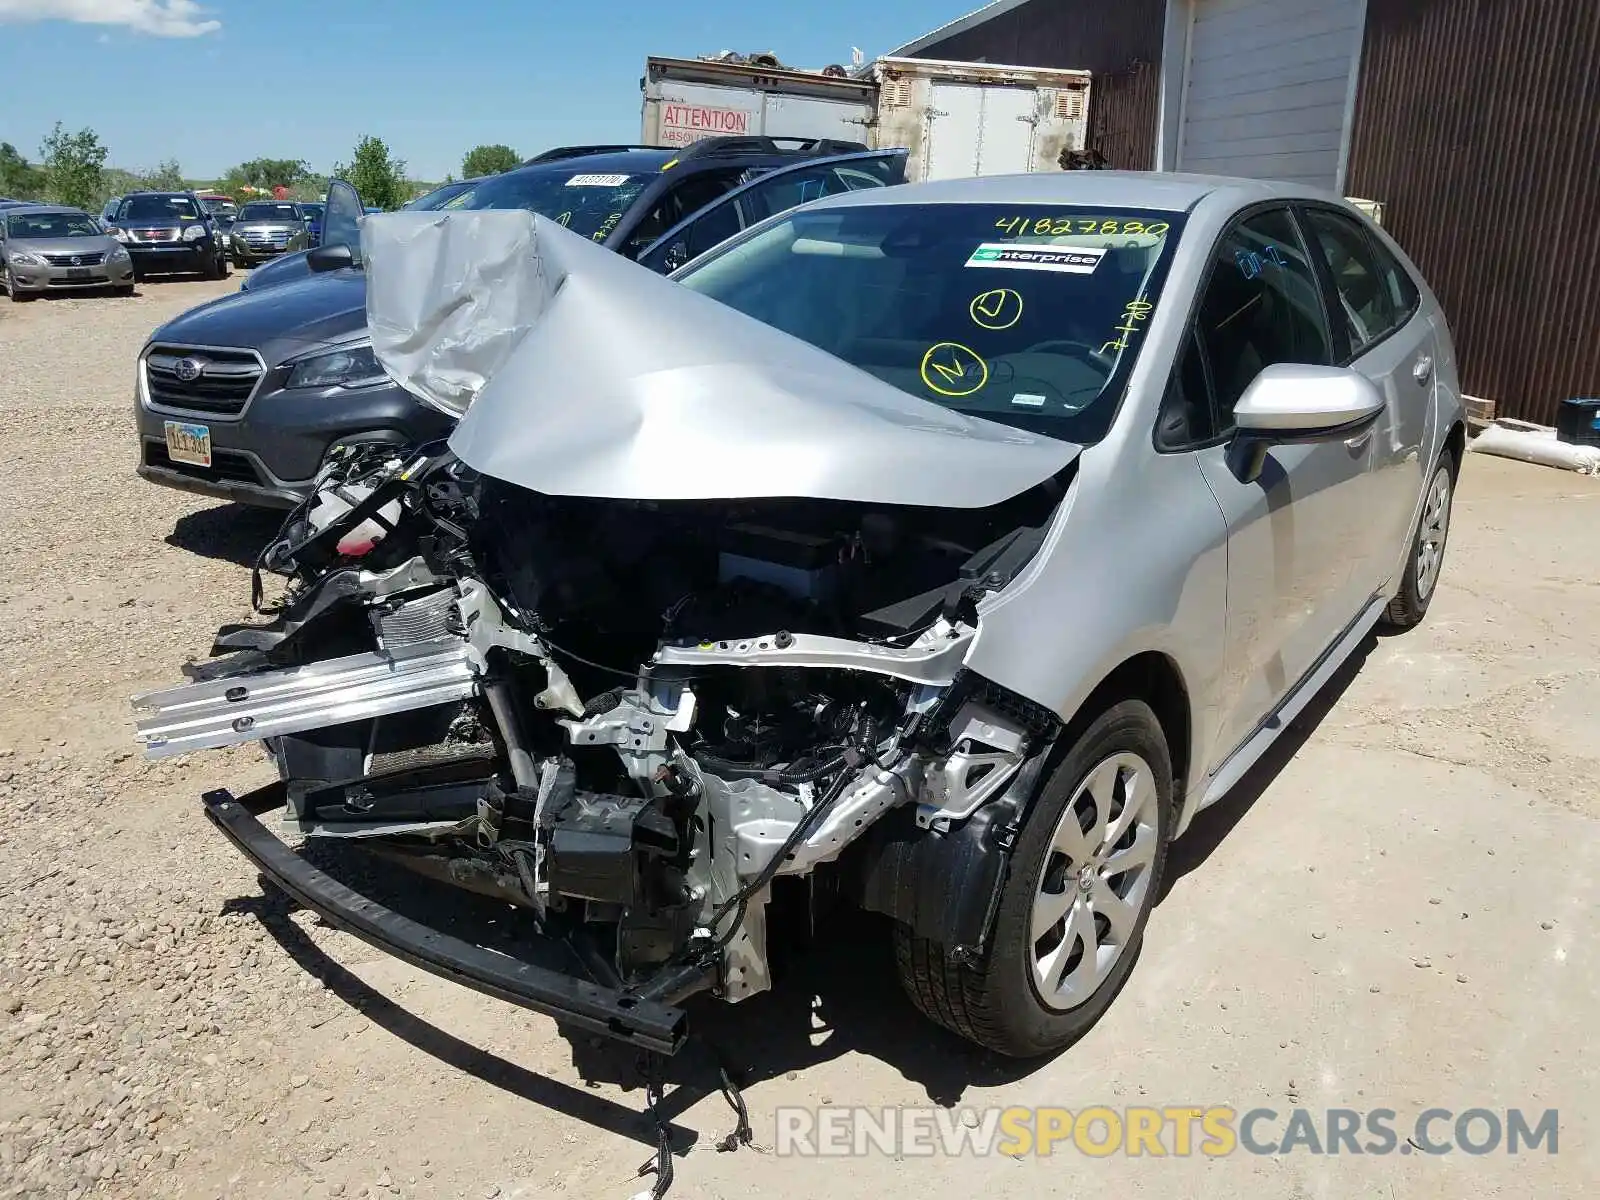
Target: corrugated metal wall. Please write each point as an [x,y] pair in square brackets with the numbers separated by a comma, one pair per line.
[1478,126]
[1119,41]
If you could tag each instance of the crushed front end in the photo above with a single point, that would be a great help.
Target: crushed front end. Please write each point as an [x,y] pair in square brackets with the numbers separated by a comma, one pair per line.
[637,720]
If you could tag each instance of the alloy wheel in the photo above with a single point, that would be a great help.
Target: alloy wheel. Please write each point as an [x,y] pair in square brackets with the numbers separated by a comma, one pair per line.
[1096,879]
[1434,529]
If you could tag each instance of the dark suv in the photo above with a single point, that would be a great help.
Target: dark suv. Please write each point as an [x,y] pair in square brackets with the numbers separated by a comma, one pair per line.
[244,397]
[170,232]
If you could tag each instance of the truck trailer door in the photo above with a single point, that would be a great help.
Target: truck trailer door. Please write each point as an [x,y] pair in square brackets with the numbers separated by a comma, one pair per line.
[977,130]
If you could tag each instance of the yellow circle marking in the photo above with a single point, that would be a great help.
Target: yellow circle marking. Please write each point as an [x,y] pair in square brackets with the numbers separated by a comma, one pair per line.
[997,310]
[952,369]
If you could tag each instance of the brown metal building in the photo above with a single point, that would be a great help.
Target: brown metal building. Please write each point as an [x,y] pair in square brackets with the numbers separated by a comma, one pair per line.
[1474,123]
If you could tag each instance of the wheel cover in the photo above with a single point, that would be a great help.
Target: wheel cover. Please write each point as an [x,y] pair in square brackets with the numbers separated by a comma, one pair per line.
[1432,532]
[1095,880]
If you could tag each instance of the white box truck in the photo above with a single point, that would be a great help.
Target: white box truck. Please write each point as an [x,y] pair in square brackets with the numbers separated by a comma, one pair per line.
[956,118]
[689,99]
[960,119]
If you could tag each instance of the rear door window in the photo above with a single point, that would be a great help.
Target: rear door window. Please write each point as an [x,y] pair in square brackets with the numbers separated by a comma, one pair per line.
[1367,306]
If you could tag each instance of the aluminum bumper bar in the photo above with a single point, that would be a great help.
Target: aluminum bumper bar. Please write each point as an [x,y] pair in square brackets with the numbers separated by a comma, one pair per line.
[247,708]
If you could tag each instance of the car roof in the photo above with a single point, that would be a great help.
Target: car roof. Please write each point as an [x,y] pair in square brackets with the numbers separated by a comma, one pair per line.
[612,162]
[175,194]
[27,208]
[1162,190]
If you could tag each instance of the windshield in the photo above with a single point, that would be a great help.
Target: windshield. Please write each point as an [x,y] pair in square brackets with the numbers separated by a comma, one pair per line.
[52,225]
[158,208]
[1024,314]
[268,212]
[585,202]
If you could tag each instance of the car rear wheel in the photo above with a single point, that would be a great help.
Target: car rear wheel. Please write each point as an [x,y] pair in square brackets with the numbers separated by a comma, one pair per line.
[1426,558]
[1084,877]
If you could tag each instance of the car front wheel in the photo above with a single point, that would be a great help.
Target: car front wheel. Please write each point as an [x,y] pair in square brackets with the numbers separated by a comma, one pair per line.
[1084,877]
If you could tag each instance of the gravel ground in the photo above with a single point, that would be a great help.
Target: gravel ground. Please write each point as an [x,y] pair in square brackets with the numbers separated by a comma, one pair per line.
[1396,910]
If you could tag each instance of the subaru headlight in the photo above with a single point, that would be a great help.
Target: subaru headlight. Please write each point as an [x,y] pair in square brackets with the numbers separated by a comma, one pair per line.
[354,366]
[194,233]
[23,259]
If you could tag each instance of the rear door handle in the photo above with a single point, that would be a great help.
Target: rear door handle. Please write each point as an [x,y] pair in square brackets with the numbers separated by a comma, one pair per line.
[1423,371]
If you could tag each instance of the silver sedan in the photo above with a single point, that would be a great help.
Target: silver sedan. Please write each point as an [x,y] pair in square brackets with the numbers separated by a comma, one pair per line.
[953,544]
[1241,401]
[48,248]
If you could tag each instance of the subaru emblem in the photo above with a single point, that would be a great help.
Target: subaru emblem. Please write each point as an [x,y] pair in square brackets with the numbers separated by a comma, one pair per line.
[187,370]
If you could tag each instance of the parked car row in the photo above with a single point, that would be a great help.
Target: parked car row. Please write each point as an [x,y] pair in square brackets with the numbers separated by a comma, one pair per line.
[937,551]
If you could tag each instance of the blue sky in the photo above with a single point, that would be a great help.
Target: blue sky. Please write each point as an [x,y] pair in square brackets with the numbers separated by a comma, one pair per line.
[306,78]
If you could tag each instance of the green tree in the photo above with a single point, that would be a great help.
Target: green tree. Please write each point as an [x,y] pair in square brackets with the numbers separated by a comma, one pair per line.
[73,165]
[379,178]
[167,177]
[271,172]
[19,179]
[488,160]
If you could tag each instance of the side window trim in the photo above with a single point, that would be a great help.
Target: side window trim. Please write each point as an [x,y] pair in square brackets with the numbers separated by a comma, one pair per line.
[1191,333]
[1344,352]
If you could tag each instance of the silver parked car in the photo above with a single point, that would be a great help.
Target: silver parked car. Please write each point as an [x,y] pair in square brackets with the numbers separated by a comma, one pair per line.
[938,550]
[264,229]
[50,248]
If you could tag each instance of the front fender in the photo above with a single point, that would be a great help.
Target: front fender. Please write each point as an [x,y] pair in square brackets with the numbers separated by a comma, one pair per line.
[1135,561]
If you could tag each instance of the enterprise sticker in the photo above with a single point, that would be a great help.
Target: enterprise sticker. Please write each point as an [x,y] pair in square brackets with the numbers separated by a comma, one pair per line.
[597,181]
[1073,260]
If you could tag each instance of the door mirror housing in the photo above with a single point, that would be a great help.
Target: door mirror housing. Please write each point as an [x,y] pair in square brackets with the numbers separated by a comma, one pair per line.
[1294,404]
[329,258]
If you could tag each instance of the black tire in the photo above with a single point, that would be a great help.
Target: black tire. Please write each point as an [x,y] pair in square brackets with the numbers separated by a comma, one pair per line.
[1410,603]
[17,296]
[123,289]
[995,1002]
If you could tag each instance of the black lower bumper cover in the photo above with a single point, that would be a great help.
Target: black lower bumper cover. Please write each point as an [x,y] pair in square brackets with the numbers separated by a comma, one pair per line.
[633,1018]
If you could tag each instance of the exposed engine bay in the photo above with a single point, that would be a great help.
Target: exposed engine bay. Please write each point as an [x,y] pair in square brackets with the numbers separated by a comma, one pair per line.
[631,718]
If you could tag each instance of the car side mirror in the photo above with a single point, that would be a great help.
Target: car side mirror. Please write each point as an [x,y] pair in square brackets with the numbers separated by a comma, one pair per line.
[330,258]
[1296,404]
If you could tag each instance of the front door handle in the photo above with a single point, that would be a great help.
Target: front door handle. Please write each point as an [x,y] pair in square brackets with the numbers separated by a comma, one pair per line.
[1360,440]
[1423,371]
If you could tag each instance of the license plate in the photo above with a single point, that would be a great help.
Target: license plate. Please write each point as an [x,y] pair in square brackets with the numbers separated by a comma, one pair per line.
[78,272]
[189,443]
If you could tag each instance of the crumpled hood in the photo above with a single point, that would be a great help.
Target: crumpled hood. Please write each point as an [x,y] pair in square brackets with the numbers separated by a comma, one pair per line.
[584,374]
[331,307]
